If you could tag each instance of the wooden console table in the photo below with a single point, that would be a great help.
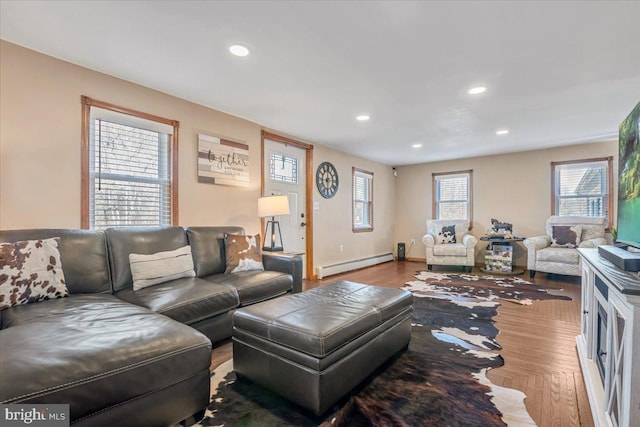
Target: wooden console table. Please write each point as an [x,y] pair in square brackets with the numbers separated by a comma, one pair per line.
[609,341]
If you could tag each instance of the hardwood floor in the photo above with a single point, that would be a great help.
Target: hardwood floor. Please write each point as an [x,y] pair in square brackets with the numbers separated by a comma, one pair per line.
[538,344]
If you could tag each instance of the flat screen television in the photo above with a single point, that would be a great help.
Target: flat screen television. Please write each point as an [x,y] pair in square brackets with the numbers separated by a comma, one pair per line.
[629,180]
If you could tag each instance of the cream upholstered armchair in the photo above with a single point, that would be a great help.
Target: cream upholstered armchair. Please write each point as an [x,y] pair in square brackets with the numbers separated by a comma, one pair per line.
[449,246]
[555,252]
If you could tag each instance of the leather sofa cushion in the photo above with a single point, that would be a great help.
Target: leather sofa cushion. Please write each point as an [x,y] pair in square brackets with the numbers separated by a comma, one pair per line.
[558,255]
[207,246]
[124,241]
[94,352]
[187,300]
[451,249]
[83,255]
[255,286]
[321,320]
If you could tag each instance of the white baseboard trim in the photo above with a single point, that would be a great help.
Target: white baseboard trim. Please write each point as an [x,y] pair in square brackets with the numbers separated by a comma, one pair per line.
[330,270]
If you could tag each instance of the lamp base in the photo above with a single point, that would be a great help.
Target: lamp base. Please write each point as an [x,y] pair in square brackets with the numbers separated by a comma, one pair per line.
[272,247]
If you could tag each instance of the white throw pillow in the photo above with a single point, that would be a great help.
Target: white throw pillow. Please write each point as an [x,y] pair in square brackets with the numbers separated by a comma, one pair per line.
[149,270]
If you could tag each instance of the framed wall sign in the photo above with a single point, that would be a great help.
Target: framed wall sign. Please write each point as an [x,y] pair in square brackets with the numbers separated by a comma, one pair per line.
[222,161]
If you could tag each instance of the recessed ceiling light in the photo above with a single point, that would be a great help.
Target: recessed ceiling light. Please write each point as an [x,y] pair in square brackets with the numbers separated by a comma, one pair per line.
[239,50]
[416,145]
[362,117]
[476,90]
[502,131]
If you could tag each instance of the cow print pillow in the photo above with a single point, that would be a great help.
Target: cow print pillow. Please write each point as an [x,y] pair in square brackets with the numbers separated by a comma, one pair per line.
[566,236]
[243,253]
[447,235]
[30,271]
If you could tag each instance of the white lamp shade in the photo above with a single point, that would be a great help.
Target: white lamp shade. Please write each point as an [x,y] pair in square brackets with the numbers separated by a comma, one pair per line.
[273,206]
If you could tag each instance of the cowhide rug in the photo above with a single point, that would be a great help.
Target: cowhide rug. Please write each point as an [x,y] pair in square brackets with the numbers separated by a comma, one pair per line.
[440,380]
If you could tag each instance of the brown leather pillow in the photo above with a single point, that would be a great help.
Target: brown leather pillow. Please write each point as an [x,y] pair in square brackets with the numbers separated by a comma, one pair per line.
[565,236]
[243,253]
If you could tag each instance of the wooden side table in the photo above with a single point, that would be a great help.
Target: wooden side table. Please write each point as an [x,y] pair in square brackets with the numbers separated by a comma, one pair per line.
[501,247]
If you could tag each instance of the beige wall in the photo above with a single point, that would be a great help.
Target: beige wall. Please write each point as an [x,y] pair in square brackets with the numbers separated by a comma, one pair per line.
[333,220]
[40,144]
[40,119]
[40,167]
[512,187]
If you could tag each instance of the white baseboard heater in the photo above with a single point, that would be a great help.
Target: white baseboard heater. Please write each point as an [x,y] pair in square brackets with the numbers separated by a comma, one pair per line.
[330,270]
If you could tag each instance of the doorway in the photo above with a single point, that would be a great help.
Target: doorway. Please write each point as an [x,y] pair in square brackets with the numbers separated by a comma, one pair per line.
[286,170]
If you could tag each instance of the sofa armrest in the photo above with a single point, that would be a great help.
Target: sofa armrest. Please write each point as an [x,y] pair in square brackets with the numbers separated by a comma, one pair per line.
[469,241]
[536,243]
[285,263]
[429,240]
[593,243]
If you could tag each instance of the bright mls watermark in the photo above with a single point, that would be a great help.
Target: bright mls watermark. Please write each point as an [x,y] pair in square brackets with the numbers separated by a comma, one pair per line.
[34,415]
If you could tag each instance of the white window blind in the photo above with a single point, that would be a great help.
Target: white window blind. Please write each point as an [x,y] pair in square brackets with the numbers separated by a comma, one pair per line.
[129,171]
[582,188]
[362,200]
[452,196]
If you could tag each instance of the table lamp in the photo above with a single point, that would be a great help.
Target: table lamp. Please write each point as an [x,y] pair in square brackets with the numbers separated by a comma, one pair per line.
[272,206]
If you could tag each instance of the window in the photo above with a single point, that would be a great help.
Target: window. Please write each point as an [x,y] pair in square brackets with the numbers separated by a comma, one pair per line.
[128,168]
[582,187]
[283,168]
[452,195]
[362,200]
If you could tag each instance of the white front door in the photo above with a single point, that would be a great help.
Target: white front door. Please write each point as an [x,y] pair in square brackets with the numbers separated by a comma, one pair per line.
[284,174]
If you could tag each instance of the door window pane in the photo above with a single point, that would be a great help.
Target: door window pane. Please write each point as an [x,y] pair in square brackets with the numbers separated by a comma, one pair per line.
[283,168]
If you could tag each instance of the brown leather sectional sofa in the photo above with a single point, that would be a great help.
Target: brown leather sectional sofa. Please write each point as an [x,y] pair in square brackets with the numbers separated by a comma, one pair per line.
[120,357]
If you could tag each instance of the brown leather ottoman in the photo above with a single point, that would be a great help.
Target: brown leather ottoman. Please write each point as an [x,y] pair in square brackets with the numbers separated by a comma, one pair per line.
[316,346]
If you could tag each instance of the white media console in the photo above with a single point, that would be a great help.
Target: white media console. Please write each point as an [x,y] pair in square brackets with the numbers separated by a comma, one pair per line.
[609,341]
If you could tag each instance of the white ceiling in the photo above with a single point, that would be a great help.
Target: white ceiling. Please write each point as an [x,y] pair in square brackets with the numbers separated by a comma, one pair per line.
[557,73]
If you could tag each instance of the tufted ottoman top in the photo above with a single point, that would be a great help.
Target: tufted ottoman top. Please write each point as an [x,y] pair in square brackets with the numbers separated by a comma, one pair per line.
[321,320]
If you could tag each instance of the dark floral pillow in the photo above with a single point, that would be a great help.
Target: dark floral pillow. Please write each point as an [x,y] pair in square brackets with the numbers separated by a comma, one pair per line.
[243,253]
[447,235]
[30,271]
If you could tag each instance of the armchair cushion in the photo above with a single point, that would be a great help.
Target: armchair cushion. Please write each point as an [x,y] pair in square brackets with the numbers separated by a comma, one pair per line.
[558,255]
[453,249]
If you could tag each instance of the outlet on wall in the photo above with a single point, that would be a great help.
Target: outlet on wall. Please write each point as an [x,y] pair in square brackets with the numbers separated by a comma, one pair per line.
[341,248]
[413,241]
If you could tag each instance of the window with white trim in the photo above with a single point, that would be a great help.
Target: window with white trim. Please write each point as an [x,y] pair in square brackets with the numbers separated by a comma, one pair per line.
[362,200]
[129,173]
[582,187]
[452,195]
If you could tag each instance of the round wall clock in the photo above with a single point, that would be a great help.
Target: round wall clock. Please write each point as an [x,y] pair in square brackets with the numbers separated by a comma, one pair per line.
[327,180]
